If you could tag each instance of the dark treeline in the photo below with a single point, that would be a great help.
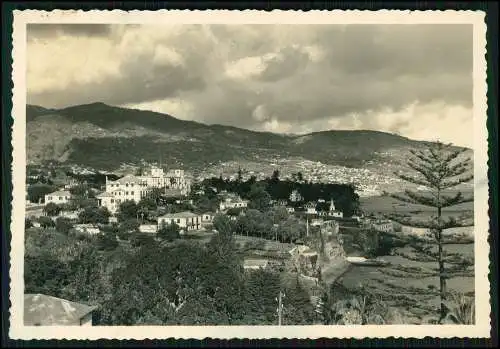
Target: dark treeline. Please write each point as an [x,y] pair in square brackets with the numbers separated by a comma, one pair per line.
[97,179]
[178,283]
[343,195]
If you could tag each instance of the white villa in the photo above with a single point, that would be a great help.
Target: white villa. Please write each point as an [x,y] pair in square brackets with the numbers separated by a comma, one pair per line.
[232,201]
[135,188]
[126,188]
[185,220]
[173,179]
[58,197]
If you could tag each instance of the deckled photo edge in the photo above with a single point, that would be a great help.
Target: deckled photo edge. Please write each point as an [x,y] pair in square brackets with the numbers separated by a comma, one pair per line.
[18,331]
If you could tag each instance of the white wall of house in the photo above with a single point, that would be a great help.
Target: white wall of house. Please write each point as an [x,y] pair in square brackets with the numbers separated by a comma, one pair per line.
[187,223]
[58,198]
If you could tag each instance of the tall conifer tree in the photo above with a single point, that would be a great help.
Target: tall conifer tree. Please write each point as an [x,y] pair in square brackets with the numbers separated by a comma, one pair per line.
[439,168]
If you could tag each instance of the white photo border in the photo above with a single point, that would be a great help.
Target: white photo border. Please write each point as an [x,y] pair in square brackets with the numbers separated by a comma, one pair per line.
[482,327]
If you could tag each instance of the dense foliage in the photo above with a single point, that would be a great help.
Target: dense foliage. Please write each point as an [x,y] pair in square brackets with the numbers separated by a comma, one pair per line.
[261,192]
[182,282]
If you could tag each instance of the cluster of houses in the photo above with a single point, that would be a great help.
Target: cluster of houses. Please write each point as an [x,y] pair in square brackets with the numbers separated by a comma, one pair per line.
[175,182]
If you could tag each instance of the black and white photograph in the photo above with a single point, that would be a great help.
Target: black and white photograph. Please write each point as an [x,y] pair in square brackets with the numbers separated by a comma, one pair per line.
[181,174]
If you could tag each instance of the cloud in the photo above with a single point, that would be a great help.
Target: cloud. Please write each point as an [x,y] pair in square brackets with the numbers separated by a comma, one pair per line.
[40,30]
[280,78]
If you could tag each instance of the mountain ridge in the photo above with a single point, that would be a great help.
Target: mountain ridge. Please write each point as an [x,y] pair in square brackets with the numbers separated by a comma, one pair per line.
[103,136]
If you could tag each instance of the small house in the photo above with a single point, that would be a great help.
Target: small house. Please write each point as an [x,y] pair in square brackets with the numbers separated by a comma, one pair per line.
[43,310]
[58,197]
[148,228]
[87,229]
[185,220]
[255,264]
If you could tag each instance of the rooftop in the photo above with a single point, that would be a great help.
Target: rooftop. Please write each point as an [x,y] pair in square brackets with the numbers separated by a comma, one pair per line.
[60,193]
[185,214]
[45,310]
[129,179]
[104,195]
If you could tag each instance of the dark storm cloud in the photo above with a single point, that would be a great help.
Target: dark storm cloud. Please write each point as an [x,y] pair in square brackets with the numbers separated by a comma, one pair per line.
[296,74]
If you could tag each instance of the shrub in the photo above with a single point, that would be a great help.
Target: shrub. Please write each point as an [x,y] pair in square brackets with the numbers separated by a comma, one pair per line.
[52,209]
[461,309]
[63,225]
[169,232]
[46,222]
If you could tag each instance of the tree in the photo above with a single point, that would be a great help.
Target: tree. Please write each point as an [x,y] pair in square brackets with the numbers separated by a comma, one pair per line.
[169,232]
[107,241]
[94,215]
[129,226]
[52,209]
[63,225]
[300,176]
[240,175]
[46,222]
[259,198]
[146,205]
[80,190]
[127,210]
[276,176]
[439,168]
[37,192]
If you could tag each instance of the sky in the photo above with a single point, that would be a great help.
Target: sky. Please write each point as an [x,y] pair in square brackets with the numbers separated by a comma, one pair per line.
[412,80]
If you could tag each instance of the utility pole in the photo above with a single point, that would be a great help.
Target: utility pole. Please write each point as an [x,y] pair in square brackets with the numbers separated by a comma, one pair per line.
[280,307]
[307,225]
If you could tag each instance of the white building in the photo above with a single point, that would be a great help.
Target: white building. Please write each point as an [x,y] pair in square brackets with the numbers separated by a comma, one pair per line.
[148,228]
[383,225]
[232,201]
[134,188]
[310,208]
[207,218]
[126,188]
[295,196]
[185,220]
[255,264]
[87,229]
[58,197]
[173,179]
[333,212]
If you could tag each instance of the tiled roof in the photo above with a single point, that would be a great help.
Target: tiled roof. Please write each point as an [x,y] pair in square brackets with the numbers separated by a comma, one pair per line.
[60,193]
[45,310]
[130,179]
[185,214]
[105,194]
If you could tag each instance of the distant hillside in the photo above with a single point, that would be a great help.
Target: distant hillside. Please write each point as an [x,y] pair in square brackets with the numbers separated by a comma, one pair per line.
[105,137]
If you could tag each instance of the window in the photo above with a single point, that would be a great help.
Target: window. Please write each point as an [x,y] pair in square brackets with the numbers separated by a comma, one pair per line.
[60,197]
[112,200]
[131,193]
[126,184]
[126,193]
[178,220]
[49,198]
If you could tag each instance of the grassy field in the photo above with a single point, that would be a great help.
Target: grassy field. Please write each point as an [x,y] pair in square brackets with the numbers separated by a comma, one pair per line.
[387,205]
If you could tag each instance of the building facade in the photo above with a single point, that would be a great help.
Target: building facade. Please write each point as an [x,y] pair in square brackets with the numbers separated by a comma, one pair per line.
[156,177]
[185,220]
[58,197]
[232,201]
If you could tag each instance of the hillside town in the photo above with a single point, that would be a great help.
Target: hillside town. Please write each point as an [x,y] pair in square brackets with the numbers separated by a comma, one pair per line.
[367,181]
